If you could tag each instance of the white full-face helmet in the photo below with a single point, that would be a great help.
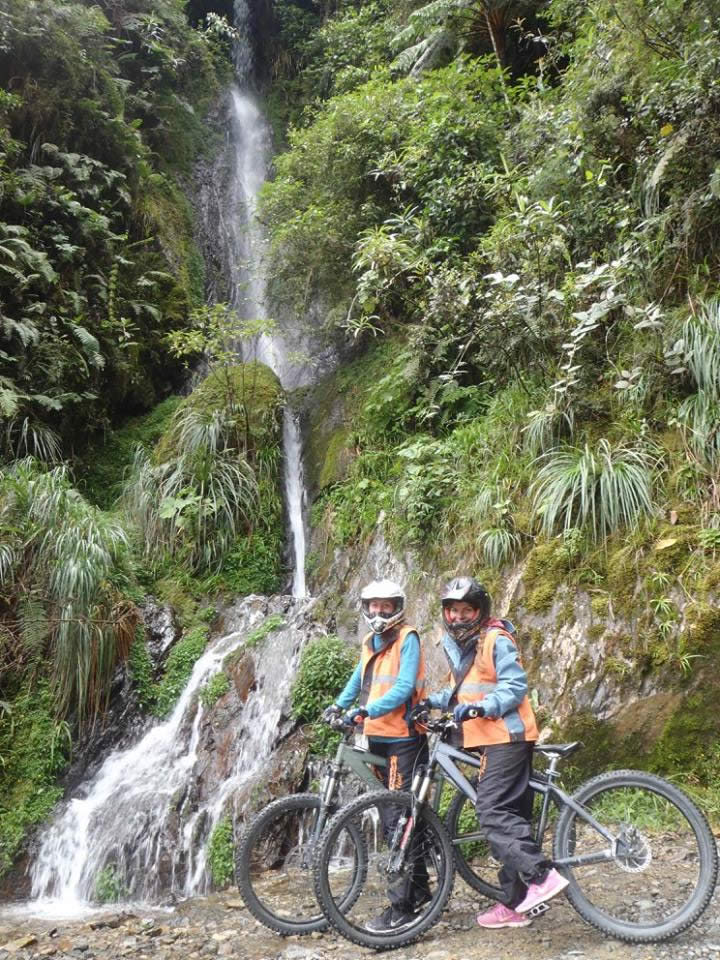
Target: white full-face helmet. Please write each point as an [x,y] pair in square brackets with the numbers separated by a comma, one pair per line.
[383,590]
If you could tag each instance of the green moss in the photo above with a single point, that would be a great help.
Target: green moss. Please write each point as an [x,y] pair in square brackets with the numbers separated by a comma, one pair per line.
[599,604]
[179,665]
[220,853]
[595,632]
[690,729]
[546,568]
[672,550]
[256,636]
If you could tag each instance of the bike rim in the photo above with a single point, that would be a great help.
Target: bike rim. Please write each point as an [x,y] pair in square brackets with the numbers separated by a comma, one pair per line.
[407,868]
[654,879]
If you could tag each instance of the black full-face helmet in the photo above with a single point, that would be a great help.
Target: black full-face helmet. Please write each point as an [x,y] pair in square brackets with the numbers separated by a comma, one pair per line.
[465,590]
[383,590]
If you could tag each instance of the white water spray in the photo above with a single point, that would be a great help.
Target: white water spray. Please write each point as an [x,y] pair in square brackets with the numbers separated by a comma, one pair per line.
[139,816]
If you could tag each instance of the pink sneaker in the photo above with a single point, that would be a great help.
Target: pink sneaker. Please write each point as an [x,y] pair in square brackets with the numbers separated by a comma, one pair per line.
[553,884]
[502,916]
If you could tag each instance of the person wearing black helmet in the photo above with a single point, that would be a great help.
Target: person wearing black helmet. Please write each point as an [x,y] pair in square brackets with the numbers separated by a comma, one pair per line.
[387,683]
[487,694]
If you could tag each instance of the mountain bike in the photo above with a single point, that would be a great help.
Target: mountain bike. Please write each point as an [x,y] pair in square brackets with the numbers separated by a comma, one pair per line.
[273,858]
[639,855]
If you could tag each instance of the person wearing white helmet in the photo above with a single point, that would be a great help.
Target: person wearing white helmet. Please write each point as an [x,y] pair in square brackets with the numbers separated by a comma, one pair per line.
[387,683]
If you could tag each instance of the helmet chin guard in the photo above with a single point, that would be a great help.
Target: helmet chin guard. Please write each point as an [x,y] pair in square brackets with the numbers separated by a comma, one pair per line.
[383,590]
[465,590]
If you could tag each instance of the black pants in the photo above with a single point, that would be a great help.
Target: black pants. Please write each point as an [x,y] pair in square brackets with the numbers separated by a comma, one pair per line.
[401,756]
[504,812]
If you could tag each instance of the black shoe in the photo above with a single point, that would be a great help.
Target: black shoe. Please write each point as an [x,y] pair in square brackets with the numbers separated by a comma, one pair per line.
[421,898]
[392,918]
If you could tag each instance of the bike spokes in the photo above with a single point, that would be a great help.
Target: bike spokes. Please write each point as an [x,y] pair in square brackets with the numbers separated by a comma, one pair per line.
[651,870]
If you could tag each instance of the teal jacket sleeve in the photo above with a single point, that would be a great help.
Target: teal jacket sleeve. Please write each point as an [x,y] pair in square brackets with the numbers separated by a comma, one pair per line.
[512,685]
[351,690]
[404,685]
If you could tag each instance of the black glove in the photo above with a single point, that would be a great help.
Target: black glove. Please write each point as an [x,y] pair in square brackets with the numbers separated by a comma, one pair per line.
[467,711]
[420,712]
[331,713]
[356,715]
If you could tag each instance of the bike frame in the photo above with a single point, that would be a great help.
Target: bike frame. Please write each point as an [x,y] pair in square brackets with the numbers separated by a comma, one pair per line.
[444,757]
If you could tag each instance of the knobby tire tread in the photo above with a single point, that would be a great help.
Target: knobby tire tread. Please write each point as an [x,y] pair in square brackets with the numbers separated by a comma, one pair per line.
[327,903]
[707,847]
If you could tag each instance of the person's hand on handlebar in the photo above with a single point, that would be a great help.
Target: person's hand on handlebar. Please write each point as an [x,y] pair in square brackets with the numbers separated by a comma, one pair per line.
[420,713]
[356,715]
[467,711]
[332,713]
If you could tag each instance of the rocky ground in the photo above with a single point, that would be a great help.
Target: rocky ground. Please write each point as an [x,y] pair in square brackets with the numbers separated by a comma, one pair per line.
[220,926]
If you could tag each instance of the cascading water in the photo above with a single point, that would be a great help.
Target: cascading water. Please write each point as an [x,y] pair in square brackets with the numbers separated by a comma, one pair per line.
[138,815]
[244,244]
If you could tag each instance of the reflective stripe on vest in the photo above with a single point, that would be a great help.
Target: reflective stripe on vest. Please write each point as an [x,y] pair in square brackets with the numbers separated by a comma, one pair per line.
[480,680]
[379,671]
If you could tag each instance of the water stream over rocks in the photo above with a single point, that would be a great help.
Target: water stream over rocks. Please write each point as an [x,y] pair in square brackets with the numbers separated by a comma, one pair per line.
[147,814]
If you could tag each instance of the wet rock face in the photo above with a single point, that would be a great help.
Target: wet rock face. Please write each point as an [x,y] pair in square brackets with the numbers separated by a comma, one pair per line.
[162,631]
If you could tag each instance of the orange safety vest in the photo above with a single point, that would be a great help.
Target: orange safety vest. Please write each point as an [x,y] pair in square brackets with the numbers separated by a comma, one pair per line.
[379,671]
[478,682]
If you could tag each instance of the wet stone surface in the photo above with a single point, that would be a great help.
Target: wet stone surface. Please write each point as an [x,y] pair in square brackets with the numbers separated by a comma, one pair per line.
[221,926]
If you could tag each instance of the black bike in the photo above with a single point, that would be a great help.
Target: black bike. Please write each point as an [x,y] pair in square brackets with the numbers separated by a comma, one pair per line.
[639,855]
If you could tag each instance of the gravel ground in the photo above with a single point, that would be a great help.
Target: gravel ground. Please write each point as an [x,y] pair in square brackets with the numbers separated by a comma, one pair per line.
[221,926]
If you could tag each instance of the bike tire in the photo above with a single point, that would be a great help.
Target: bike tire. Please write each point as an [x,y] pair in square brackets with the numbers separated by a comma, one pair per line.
[473,859]
[287,911]
[663,870]
[435,848]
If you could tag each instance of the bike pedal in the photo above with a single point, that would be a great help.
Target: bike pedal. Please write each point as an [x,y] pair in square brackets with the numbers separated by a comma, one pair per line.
[538,910]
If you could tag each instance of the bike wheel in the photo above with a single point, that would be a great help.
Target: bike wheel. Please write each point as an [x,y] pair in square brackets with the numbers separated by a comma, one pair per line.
[273,862]
[657,874]
[473,858]
[409,862]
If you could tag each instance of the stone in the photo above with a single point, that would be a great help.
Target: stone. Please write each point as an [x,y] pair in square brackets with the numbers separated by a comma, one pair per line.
[12,946]
[235,904]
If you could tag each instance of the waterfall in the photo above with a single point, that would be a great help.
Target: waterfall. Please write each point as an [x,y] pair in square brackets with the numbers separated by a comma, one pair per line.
[244,241]
[143,815]
[139,814]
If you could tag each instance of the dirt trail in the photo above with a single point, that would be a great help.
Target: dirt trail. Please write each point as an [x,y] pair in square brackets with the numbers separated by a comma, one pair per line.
[221,926]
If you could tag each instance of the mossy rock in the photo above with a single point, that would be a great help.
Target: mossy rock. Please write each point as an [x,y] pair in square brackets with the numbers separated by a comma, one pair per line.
[672,550]
[250,387]
[546,569]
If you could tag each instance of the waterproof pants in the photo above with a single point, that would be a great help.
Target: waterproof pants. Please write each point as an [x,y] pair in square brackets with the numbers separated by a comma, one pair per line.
[402,755]
[504,812]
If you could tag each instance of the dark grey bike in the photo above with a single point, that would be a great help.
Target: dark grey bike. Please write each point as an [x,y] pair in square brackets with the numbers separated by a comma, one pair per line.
[639,854]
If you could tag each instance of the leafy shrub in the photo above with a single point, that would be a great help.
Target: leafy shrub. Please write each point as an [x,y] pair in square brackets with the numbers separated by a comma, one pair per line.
[178,667]
[110,886]
[325,667]
[72,560]
[221,855]
[216,687]
[34,749]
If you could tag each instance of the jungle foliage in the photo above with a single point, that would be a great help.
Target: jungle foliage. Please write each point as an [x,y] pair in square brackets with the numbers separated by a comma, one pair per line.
[527,216]
[100,120]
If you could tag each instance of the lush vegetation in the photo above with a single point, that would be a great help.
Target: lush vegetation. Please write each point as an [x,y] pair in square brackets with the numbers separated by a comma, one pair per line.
[102,118]
[511,217]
